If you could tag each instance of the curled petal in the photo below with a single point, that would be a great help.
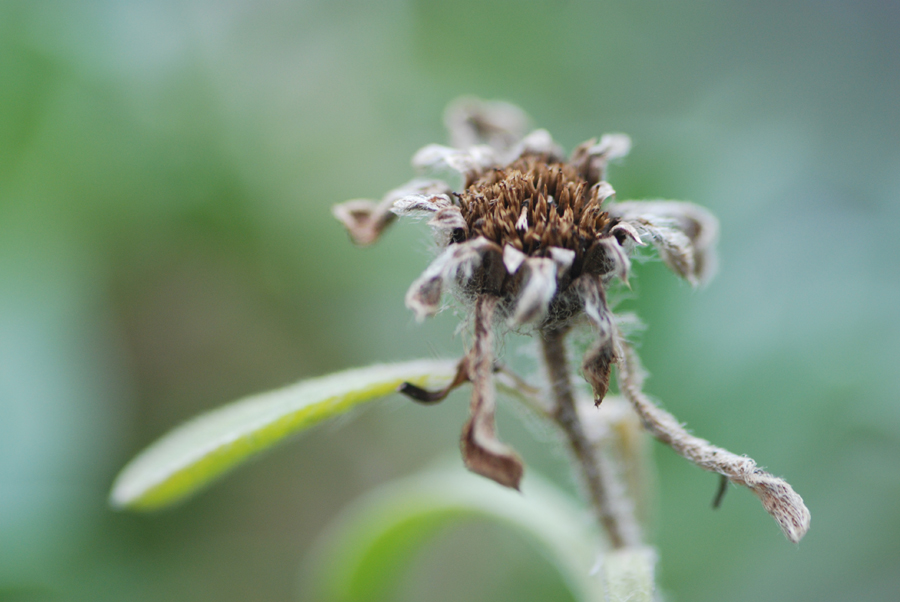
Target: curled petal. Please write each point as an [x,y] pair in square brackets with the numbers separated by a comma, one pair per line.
[512,258]
[603,190]
[596,367]
[592,157]
[490,274]
[482,452]
[593,297]
[458,264]
[446,216]
[365,220]
[470,162]
[627,235]
[607,258]
[621,265]
[446,221]
[562,257]
[538,291]
[539,142]
[468,257]
[612,146]
[598,361]
[418,204]
[683,233]
[424,295]
[472,121]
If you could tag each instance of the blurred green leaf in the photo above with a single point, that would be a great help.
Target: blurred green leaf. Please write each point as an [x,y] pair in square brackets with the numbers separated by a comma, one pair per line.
[364,555]
[194,454]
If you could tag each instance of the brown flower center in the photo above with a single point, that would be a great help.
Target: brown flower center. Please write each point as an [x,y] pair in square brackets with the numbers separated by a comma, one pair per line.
[534,205]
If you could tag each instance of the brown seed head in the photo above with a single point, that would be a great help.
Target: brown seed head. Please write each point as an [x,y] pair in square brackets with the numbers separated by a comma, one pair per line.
[532,205]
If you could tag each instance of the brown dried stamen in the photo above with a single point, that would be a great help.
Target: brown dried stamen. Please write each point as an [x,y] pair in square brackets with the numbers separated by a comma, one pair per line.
[533,205]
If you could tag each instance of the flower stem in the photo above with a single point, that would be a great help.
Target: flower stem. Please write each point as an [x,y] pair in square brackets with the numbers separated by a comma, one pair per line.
[566,416]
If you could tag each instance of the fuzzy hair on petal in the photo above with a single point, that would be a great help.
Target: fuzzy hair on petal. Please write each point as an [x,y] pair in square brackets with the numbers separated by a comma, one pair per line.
[685,234]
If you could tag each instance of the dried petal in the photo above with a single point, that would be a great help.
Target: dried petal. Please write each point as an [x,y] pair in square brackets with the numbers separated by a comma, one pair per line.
[419,204]
[365,220]
[606,258]
[592,157]
[424,295]
[362,219]
[446,221]
[512,258]
[470,162]
[539,142]
[457,265]
[598,361]
[627,235]
[468,257]
[471,121]
[603,190]
[612,146]
[426,397]
[683,233]
[538,291]
[562,257]
[621,265]
[482,452]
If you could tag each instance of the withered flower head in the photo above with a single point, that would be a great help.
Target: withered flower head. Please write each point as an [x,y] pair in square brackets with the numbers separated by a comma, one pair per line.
[531,240]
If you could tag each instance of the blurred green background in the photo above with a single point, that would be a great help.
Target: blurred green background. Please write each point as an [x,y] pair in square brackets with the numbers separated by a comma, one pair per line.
[166,173]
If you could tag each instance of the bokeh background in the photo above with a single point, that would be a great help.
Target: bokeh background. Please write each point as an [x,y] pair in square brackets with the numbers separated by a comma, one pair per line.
[166,173]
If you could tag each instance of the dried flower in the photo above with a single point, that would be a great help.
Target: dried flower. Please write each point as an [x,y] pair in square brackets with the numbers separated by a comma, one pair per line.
[532,240]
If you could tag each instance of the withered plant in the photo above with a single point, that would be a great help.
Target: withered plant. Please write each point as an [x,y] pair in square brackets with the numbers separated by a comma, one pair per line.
[528,240]
[531,242]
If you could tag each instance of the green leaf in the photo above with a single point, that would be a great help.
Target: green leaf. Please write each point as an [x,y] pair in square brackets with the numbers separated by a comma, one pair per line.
[364,555]
[194,454]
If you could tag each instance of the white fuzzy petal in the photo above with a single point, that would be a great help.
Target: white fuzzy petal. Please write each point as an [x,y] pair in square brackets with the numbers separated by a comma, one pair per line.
[595,307]
[424,186]
[612,146]
[604,191]
[620,262]
[466,258]
[562,257]
[539,142]
[472,121]
[630,232]
[413,204]
[424,295]
[471,161]
[512,258]
[365,219]
[456,264]
[685,234]
[540,286]
[448,219]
